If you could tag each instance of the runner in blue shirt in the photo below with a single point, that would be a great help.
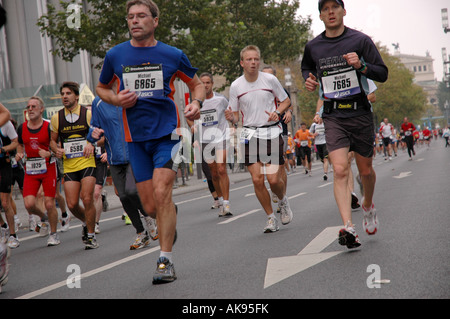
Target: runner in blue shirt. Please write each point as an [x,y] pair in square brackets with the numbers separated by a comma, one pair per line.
[146,70]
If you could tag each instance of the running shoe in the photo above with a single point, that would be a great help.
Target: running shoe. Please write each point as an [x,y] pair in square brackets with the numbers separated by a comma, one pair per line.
[226,211]
[348,237]
[127,219]
[142,240]
[53,240]
[65,223]
[13,242]
[31,223]
[165,272]
[151,227]
[4,265]
[215,205]
[271,226]
[17,223]
[91,243]
[286,212]
[4,235]
[325,177]
[97,228]
[370,220]
[274,197]
[84,234]
[355,203]
[43,228]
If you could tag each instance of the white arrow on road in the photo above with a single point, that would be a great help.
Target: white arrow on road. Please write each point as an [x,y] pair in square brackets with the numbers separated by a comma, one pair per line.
[282,268]
[403,175]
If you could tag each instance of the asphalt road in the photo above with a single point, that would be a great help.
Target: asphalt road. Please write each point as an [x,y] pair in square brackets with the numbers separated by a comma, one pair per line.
[221,259]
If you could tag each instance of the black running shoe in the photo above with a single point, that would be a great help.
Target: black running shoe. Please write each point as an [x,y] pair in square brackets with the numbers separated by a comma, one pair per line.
[355,203]
[165,272]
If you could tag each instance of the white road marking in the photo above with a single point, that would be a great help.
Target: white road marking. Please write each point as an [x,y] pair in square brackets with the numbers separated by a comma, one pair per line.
[89,273]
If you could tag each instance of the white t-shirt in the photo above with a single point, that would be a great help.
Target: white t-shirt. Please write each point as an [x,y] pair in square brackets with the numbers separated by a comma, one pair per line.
[8,131]
[319,129]
[213,126]
[253,99]
[386,130]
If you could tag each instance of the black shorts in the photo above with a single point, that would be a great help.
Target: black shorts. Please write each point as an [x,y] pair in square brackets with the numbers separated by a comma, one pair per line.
[18,175]
[357,133]
[322,151]
[386,141]
[264,151]
[6,176]
[305,151]
[79,175]
[101,172]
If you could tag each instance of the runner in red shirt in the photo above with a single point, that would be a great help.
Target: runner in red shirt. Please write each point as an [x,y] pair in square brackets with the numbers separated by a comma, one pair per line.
[40,168]
[427,136]
[408,128]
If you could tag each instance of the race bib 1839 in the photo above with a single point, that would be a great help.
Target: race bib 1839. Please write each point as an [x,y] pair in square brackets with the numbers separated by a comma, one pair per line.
[145,80]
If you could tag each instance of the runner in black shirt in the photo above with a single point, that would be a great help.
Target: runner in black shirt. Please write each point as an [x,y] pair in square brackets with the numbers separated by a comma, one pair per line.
[339,62]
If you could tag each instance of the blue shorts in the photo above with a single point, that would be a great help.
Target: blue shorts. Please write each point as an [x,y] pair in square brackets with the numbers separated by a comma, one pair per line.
[146,156]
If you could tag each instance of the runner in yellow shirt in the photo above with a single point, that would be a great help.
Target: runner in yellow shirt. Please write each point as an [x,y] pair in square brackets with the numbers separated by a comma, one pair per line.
[70,126]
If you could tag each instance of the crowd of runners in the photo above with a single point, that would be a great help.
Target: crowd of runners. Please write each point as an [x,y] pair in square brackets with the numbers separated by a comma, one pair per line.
[134,127]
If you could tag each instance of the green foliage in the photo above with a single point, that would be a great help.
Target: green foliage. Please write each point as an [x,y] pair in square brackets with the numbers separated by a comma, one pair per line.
[399,96]
[211,33]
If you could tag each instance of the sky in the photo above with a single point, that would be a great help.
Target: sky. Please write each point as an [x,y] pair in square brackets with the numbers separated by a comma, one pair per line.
[416,25]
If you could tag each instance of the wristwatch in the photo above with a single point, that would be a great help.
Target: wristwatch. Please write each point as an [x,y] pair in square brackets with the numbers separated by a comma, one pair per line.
[199,102]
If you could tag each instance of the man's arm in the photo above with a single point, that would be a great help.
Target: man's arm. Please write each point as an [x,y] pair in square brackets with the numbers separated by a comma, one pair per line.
[5,116]
[192,111]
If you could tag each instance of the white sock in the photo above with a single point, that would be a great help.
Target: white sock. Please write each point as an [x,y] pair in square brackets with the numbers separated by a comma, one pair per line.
[271,215]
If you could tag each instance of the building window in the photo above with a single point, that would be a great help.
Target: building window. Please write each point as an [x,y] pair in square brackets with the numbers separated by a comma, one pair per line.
[424,68]
[415,69]
[420,68]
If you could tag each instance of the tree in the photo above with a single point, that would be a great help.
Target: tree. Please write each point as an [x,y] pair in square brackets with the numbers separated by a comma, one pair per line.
[399,96]
[211,33]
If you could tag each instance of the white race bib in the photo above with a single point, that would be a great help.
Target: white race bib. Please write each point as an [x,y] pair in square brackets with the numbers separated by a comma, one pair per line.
[304,143]
[341,85]
[246,135]
[145,80]
[36,166]
[209,118]
[75,148]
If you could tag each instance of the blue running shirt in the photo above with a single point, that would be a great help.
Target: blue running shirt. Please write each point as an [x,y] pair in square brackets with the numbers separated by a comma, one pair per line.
[150,72]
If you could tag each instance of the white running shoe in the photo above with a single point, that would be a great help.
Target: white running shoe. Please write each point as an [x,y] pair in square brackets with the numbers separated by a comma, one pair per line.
[225,211]
[151,227]
[43,228]
[272,225]
[65,223]
[53,240]
[4,235]
[286,212]
[13,242]
[370,220]
[31,223]
[274,197]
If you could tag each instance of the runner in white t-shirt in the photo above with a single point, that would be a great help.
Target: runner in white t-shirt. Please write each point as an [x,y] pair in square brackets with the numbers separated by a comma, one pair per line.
[255,95]
[213,132]
[386,131]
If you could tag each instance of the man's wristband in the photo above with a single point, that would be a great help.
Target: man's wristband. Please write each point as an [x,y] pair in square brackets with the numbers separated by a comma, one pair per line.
[363,67]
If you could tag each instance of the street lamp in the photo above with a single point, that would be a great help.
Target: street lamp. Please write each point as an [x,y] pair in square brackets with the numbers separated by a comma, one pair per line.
[444,14]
